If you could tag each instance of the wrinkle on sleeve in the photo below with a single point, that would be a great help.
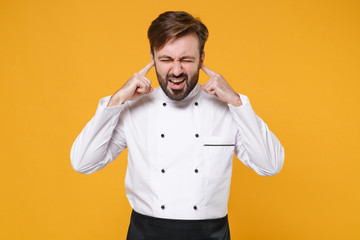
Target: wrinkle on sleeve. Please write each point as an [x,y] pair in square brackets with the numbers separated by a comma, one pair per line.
[101,140]
[256,146]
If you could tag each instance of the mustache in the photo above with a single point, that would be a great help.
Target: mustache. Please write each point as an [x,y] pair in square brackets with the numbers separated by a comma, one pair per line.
[182,75]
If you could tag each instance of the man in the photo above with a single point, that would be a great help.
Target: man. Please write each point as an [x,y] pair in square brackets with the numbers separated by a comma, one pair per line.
[180,138]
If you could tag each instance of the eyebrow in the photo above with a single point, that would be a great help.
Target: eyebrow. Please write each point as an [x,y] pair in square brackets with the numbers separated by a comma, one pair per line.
[187,57]
[164,56]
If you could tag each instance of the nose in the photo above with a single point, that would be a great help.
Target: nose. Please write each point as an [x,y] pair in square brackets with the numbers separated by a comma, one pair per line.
[177,68]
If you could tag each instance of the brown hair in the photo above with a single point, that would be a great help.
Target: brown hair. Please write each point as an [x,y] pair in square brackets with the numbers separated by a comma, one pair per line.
[175,24]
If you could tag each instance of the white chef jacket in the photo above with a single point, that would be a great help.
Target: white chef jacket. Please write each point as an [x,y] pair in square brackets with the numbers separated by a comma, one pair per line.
[179,152]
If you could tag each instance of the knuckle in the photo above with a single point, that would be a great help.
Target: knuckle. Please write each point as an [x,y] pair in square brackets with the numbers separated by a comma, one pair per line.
[135,76]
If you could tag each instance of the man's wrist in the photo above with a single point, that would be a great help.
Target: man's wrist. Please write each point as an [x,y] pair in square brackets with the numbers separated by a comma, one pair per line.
[237,101]
[115,101]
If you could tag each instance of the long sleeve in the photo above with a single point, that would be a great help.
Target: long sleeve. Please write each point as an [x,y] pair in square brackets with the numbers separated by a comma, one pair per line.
[257,147]
[101,140]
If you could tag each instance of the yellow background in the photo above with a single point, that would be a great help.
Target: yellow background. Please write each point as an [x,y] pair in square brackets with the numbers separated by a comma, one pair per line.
[298,61]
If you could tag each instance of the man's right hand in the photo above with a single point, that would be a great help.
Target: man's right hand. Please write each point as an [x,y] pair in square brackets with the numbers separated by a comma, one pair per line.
[135,87]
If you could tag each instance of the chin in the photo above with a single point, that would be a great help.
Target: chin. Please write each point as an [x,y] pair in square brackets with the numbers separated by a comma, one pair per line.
[176,95]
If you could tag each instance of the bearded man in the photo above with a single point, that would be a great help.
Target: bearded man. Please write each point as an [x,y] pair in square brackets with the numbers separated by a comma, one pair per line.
[181,138]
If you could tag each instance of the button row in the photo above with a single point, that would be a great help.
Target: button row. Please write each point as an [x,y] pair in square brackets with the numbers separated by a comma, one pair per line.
[196,104]
[196,135]
[196,170]
[195,207]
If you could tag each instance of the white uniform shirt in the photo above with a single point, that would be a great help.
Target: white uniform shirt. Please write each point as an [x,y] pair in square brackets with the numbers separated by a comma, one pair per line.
[179,152]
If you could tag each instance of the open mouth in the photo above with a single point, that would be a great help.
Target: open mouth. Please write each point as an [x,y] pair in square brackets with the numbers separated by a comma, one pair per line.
[177,83]
[177,80]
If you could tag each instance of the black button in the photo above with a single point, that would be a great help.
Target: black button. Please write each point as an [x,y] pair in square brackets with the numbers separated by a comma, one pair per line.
[197,135]
[162,207]
[195,207]
[162,135]
[164,104]
[196,171]
[196,103]
[163,170]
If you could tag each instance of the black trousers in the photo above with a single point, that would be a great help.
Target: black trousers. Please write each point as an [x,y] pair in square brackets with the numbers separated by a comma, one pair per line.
[144,227]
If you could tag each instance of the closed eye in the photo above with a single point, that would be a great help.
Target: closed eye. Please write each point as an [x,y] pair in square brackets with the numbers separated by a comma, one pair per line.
[165,60]
[187,60]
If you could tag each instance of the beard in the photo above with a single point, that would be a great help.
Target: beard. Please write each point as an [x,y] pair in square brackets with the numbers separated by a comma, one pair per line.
[178,94]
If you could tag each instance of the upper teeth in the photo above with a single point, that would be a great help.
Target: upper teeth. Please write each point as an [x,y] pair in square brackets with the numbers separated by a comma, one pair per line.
[177,80]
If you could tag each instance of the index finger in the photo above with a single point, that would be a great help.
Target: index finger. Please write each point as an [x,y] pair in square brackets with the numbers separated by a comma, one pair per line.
[209,72]
[146,69]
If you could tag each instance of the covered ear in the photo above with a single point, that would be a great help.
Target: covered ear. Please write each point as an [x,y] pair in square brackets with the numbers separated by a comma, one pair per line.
[202,58]
[151,55]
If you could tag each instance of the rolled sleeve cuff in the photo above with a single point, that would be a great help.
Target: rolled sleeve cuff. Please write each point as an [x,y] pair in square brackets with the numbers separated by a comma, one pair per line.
[245,104]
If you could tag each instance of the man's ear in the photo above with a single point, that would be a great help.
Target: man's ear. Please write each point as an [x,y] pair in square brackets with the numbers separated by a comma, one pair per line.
[151,55]
[202,58]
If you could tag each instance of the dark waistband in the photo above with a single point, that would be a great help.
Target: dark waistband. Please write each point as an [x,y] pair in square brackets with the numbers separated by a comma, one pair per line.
[147,227]
[161,221]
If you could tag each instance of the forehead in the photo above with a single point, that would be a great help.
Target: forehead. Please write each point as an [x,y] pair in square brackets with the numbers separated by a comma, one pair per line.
[180,46]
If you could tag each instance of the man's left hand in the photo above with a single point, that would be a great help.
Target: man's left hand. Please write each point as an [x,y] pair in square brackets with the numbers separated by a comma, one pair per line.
[218,87]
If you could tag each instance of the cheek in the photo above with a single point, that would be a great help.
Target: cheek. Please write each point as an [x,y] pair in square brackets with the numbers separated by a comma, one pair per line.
[192,70]
[161,70]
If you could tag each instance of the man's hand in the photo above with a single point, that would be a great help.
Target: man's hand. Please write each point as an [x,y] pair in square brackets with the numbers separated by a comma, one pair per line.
[135,87]
[218,87]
